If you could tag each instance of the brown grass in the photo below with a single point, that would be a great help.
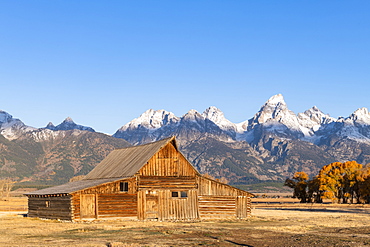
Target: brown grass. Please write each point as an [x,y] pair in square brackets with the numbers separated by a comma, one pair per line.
[13,204]
[325,226]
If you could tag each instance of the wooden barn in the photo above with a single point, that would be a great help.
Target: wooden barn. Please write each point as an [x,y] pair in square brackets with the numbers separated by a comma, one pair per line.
[151,181]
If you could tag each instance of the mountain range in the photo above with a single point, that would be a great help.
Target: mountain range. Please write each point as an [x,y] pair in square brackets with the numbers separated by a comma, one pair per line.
[270,146]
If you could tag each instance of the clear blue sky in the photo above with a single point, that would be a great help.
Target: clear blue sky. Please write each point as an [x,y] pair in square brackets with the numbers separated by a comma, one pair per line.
[103,63]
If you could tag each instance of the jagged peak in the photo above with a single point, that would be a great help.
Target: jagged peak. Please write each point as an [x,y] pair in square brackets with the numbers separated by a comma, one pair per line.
[313,111]
[151,119]
[68,124]
[192,112]
[148,112]
[274,109]
[361,114]
[212,112]
[192,115]
[363,111]
[151,113]
[68,120]
[5,117]
[313,118]
[217,116]
[50,124]
[277,99]
[212,109]
[315,108]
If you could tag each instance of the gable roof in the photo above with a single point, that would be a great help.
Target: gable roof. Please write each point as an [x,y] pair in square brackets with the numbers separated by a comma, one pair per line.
[125,162]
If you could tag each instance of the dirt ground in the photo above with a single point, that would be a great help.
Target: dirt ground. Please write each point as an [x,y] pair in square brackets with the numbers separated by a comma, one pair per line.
[301,227]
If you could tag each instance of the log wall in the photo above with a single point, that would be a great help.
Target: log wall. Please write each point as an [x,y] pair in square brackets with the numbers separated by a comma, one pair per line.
[50,207]
[117,205]
[217,206]
[218,200]
[169,183]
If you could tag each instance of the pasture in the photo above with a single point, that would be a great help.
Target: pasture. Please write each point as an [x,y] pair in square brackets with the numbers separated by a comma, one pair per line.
[325,225]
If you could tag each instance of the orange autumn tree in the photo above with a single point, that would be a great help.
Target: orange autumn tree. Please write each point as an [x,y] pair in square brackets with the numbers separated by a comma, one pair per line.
[340,181]
[364,184]
[345,182]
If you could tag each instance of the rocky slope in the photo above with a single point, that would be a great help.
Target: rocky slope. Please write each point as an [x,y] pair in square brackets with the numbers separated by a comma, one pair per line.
[45,156]
[271,145]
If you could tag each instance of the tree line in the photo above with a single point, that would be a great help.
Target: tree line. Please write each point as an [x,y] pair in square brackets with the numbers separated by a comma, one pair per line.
[347,182]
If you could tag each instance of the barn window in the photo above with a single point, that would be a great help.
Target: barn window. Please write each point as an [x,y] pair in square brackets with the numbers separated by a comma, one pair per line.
[47,204]
[179,194]
[123,186]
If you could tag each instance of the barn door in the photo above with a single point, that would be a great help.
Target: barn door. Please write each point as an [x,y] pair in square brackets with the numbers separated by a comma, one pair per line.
[88,206]
[152,205]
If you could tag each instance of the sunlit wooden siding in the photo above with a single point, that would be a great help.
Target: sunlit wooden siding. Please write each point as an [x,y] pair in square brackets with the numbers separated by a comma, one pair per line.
[243,207]
[217,206]
[117,205]
[208,186]
[166,206]
[218,200]
[151,183]
[113,187]
[141,205]
[109,201]
[51,207]
[178,208]
[168,162]
[76,205]
[167,171]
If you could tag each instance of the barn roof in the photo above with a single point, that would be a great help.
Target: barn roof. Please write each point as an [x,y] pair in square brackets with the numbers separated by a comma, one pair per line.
[126,162]
[72,186]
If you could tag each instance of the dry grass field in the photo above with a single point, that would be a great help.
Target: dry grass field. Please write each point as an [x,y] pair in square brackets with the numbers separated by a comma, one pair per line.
[13,204]
[329,225]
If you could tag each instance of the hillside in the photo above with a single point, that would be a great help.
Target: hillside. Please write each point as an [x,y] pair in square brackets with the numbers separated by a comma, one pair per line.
[271,146]
[52,157]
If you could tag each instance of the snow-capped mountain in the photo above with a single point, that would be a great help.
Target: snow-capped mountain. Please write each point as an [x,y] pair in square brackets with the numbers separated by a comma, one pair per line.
[275,137]
[217,117]
[68,124]
[144,128]
[274,117]
[11,128]
[275,110]
[313,119]
[154,125]
[271,145]
[151,120]
[356,127]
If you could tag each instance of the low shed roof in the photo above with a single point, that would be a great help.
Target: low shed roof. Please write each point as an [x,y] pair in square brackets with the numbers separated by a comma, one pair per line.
[72,186]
